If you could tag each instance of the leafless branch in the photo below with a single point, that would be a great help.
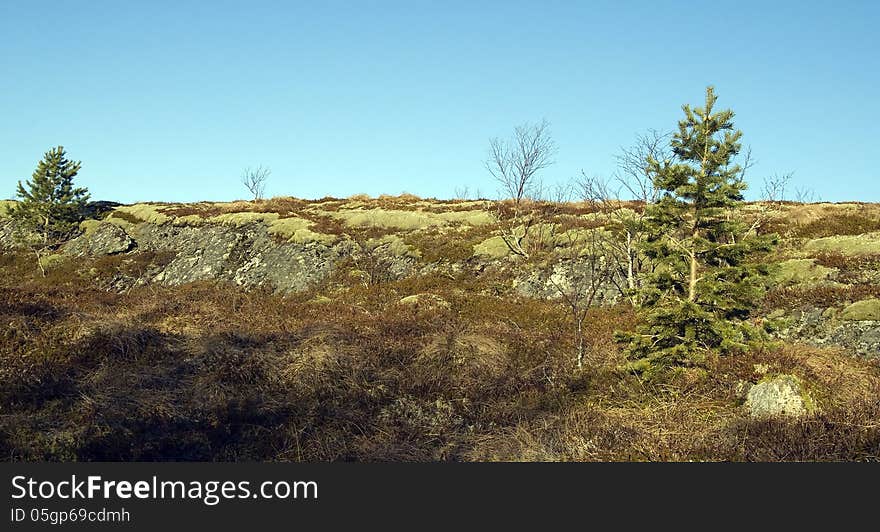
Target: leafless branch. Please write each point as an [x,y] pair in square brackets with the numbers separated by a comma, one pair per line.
[586,270]
[634,164]
[774,187]
[806,195]
[515,163]
[255,180]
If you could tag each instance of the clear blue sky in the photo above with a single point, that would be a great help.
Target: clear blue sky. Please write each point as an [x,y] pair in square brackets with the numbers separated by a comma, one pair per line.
[170,100]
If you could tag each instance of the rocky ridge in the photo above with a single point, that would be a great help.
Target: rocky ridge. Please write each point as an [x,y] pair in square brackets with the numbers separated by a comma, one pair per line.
[298,245]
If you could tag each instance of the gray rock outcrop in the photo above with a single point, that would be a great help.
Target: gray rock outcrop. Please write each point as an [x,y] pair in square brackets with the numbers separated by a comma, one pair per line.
[104,239]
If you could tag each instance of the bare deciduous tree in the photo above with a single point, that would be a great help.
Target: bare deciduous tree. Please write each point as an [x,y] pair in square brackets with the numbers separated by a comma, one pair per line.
[774,187]
[586,269]
[515,164]
[561,193]
[625,231]
[633,164]
[806,195]
[462,193]
[625,218]
[255,180]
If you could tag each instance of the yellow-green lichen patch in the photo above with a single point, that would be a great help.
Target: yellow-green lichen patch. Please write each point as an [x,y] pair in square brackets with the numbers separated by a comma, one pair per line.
[190,220]
[409,220]
[394,245]
[847,244]
[538,236]
[144,212]
[240,219]
[470,217]
[297,231]
[120,222]
[237,205]
[387,219]
[89,226]
[466,205]
[50,262]
[601,218]
[307,236]
[586,241]
[797,271]
[286,227]
[492,248]
[868,309]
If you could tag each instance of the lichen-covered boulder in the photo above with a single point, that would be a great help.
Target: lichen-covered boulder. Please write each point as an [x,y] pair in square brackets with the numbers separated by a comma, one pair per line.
[865,310]
[781,396]
[493,248]
[801,271]
[566,279]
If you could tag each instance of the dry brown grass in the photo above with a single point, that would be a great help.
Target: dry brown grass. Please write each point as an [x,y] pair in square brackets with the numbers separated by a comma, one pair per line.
[207,371]
[818,220]
[824,296]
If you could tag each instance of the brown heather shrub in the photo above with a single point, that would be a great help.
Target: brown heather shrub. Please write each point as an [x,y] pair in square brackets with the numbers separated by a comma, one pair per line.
[122,215]
[440,245]
[853,269]
[327,225]
[838,224]
[848,262]
[792,297]
[208,371]
[843,434]
[819,220]
[283,206]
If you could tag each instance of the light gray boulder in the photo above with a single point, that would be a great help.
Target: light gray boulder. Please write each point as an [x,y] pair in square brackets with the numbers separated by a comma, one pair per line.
[781,396]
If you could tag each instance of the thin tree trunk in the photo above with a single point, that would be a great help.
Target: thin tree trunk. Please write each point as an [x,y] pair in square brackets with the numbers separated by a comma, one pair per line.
[692,282]
[40,263]
[580,338]
[630,273]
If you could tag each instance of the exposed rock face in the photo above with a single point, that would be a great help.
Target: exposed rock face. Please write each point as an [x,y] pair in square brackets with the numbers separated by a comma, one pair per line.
[7,235]
[247,256]
[851,329]
[104,239]
[565,278]
[781,396]
[861,337]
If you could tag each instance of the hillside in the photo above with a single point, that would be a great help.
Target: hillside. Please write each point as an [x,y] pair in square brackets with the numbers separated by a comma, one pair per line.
[401,328]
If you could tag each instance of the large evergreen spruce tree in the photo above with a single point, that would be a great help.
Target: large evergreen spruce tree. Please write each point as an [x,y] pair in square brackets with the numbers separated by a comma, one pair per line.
[49,204]
[706,280]
[50,207]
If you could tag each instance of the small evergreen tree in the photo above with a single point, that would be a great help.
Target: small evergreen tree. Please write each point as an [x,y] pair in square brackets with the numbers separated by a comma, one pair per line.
[50,207]
[704,285]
